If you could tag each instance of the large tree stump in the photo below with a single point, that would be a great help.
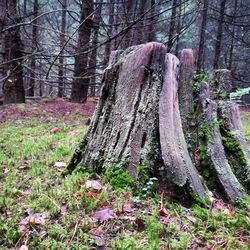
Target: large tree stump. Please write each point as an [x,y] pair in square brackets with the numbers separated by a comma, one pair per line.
[138,122]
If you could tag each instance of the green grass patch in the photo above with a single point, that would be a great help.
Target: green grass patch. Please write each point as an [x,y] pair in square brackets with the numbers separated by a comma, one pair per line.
[31,185]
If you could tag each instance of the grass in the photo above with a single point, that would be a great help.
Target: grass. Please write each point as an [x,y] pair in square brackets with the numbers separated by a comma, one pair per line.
[30,185]
[245,116]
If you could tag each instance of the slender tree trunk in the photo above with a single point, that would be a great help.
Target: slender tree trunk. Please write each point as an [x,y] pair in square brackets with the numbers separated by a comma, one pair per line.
[25,7]
[61,58]
[178,29]
[127,17]
[172,26]
[200,59]
[35,45]
[80,88]
[109,32]
[93,55]
[231,50]
[151,28]
[139,31]
[219,35]
[11,53]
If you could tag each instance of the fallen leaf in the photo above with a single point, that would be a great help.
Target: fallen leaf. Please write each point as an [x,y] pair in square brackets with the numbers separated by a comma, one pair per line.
[42,234]
[52,145]
[130,218]
[163,212]
[93,184]
[64,209]
[127,208]
[140,224]
[23,167]
[104,215]
[91,194]
[222,206]
[191,218]
[6,171]
[78,193]
[73,133]
[60,166]
[33,219]
[55,130]
[23,247]
[99,241]
[37,219]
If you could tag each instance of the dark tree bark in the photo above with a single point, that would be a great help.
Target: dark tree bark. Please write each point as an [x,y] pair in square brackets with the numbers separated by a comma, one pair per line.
[80,84]
[93,55]
[11,53]
[200,59]
[231,50]
[139,31]
[172,25]
[61,58]
[178,28]
[35,45]
[219,34]
[138,123]
[151,28]
[127,16]
[109,32]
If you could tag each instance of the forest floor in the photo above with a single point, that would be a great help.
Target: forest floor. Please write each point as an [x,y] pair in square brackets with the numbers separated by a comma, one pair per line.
[41,210]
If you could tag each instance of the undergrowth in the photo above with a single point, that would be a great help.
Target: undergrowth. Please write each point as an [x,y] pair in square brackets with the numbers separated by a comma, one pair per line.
[31,183]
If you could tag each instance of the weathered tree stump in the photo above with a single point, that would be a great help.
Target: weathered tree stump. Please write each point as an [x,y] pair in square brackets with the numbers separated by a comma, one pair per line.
[212,146]
[138,122]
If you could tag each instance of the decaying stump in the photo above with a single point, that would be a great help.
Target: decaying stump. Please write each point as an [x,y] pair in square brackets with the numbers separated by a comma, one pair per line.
[185,80]
[238,152]
[173,145]
[212,146]
[138,122]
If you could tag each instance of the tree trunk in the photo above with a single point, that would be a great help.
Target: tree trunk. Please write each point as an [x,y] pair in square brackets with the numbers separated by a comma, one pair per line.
[151,26]
[33,59]
[219,35]
[93,55]
[200,59]
[139,30]
[138,123]
[61,70]
[80,84]
[231,50]
[172,26]
[178,28]
[107,51]
[11,44]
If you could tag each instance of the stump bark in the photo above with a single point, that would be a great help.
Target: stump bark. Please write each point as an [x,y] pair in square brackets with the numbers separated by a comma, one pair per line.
[138,122]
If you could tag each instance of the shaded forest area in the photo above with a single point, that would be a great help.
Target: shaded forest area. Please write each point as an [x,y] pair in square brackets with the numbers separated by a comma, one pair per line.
[60,48]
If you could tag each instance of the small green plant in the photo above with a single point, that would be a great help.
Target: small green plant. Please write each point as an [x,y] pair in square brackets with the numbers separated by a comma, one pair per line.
[117,175]
[149,187]
[198,79]
[205,133]
[124,242]
[154,231]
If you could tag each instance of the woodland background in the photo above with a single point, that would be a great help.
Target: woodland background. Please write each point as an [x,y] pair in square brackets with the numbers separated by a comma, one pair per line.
[60,48]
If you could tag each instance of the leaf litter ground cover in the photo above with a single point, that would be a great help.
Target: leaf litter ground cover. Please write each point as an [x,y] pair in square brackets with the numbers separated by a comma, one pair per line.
[40,210]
